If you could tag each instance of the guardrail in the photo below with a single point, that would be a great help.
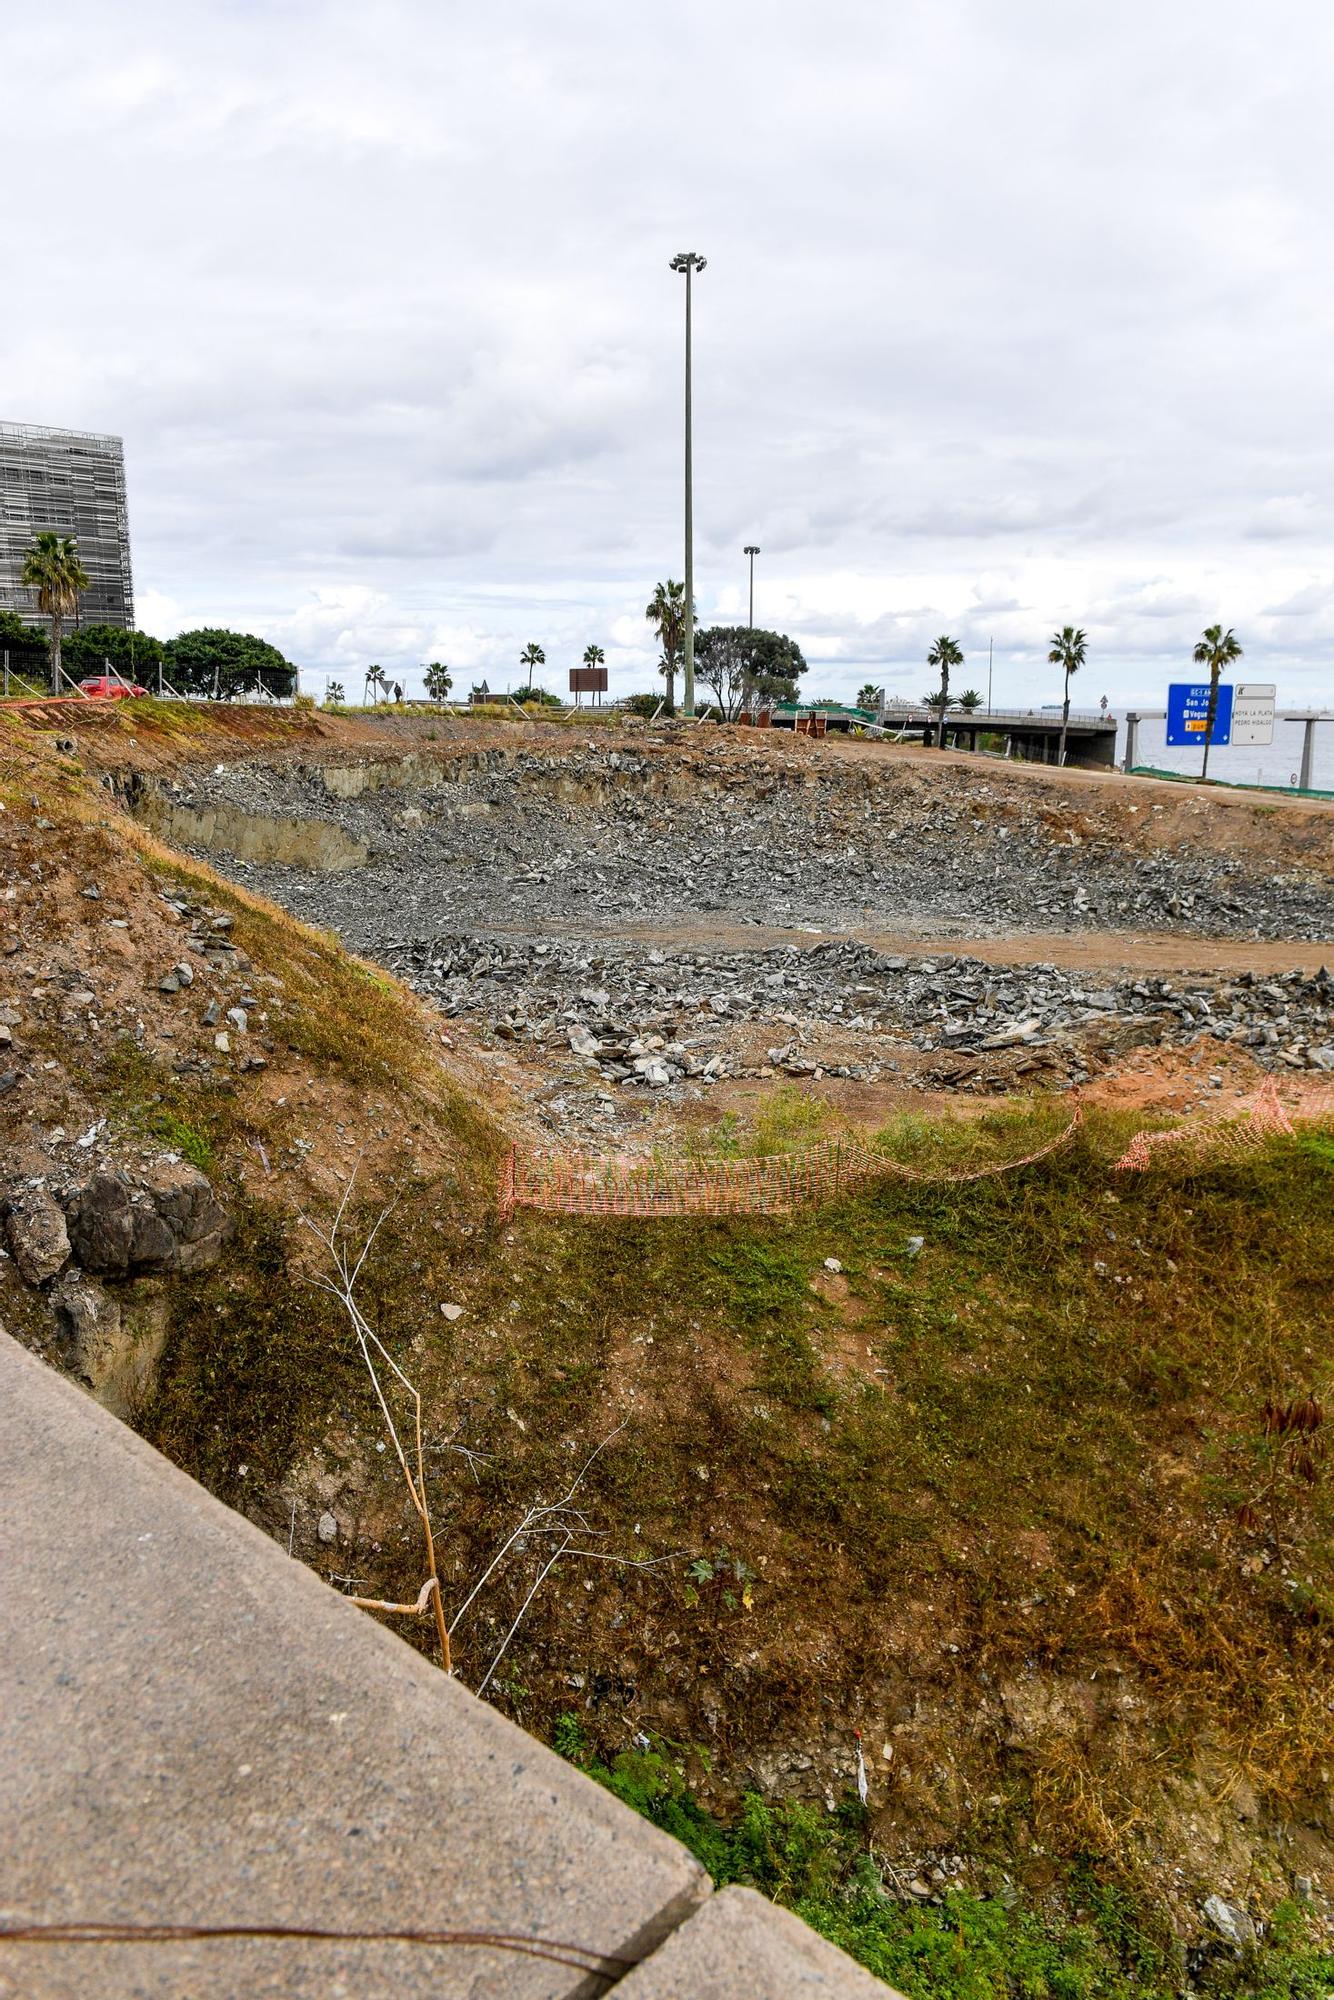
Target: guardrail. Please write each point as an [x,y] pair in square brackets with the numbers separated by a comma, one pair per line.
[1309,716]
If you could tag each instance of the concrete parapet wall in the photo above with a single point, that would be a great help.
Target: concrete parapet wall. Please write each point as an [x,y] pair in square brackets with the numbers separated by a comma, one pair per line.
[194,1730]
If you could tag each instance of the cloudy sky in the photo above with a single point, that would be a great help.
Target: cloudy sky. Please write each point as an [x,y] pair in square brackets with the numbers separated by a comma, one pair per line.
[1016,312]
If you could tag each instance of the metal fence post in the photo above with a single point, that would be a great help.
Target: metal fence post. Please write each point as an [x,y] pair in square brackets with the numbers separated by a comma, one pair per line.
[1308,755]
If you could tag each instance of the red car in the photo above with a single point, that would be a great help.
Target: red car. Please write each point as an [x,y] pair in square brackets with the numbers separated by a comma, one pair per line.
[105,687]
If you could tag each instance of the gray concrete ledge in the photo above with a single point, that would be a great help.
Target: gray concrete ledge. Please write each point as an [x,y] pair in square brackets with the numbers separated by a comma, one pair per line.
[739,1947]
[194,1729]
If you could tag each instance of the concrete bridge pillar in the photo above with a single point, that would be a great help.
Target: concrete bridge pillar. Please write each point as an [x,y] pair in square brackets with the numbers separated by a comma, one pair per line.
[1132,740]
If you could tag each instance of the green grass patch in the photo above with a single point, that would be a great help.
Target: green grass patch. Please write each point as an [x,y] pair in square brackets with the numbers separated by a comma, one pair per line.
[1087,1941]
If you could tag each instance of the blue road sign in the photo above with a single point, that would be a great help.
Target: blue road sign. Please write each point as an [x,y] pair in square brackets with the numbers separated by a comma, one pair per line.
[1188,714]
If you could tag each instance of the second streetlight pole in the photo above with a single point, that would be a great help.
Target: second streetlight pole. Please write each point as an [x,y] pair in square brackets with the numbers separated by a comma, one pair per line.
[752,551]
[688,262]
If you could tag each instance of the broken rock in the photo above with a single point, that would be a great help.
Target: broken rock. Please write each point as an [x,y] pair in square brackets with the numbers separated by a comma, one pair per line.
[35,1227]
[88,1326]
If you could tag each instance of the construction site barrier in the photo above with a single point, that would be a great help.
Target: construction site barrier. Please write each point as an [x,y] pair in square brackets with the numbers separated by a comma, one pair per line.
[1235,1134]
[775,1184]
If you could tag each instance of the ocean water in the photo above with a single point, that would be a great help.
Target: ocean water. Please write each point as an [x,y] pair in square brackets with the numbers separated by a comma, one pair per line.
[1279,764]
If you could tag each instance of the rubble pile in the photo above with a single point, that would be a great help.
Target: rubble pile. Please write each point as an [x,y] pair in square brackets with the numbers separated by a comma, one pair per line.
[648,1016]
[613,911]
[610,837]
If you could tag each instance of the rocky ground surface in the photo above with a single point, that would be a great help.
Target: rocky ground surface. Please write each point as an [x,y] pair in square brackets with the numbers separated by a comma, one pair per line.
[510,886]
[607,837]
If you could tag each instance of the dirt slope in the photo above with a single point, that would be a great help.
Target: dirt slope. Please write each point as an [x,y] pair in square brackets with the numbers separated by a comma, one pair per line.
[981,1472]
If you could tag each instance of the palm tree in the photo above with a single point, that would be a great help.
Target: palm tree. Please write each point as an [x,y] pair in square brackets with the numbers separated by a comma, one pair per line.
[52,568]
[593,657]
[1217,649]
[333,693]
[532,656]
[944,655]
[439,680]
[868,696]
[666,613]
[1069,652]
[969,700]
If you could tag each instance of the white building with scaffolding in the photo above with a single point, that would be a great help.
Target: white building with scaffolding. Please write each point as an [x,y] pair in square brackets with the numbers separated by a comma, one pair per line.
[72,482]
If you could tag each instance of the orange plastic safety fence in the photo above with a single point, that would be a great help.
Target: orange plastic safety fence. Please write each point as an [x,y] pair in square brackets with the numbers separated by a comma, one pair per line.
[1265,1117]
[581,1184]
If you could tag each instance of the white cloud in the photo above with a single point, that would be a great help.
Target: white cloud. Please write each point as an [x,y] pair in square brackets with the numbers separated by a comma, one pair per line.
[998,330]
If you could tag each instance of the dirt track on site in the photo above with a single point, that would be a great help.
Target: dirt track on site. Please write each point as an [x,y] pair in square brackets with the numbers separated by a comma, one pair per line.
[1104,951]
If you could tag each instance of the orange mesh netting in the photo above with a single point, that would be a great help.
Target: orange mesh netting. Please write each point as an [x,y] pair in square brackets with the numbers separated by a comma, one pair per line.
[1265,1117]
[580,1184]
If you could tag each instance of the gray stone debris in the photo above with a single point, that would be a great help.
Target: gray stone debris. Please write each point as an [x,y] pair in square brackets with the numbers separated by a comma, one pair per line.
[1229,1920]
[627,835]
[523,892]
[35,1229]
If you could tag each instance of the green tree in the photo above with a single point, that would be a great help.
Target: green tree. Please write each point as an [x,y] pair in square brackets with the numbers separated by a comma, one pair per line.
[135,656]
[531,657]
[1069,652]
[970,700]
[538,695]
[666,613]
[868,696]
[333,694]
[223,665]
[438,680]
[52,568]
[744,664]
[29,653]
[943,655]
[1216,649]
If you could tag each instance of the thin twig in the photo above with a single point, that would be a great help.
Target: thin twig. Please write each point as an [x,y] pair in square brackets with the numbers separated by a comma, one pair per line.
[542,1575]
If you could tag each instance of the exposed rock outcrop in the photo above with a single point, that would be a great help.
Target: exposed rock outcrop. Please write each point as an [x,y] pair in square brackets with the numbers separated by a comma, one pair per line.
[163,1220]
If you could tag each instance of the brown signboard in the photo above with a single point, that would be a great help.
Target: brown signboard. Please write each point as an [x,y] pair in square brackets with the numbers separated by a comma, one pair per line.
[588,680]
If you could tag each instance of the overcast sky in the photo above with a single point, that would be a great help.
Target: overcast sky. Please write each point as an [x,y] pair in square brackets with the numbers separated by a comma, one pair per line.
[1015,314]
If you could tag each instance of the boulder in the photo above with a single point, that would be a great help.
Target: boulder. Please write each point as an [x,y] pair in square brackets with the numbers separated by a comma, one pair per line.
[101,1225]
[37,1235]
[164,1220]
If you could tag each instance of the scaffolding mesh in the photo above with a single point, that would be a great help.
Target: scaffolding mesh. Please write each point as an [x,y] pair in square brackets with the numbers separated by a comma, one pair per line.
[775,1184]
[1234,1135]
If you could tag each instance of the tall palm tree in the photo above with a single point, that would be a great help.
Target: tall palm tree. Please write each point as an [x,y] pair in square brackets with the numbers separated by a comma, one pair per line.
[1217,649]
[52,568]
[594,657]
[666,613]
[530,658]
[944,655]
[1069,652]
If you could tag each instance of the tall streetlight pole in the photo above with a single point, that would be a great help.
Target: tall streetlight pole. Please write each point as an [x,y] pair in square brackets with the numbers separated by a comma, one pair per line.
[687,261]
[751,551]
